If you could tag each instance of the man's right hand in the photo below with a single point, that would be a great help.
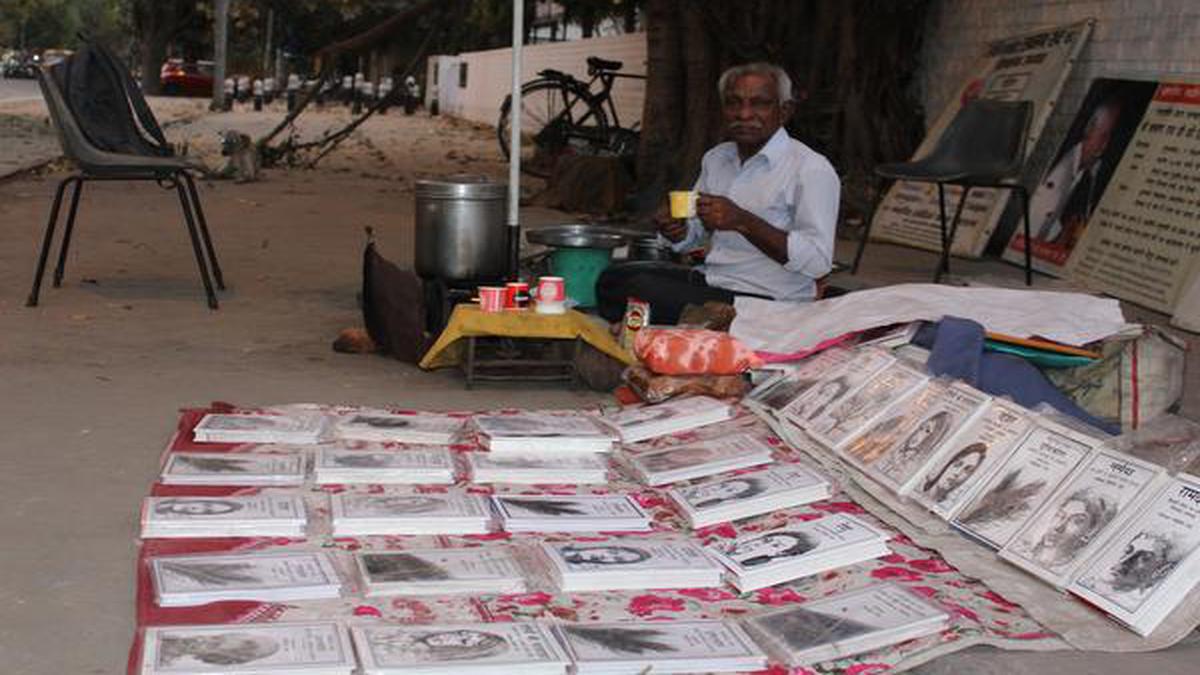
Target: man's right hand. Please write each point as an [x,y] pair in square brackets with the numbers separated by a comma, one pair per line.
[673,229]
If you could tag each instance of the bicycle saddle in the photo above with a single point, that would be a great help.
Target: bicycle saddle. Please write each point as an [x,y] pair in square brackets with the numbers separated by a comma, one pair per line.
[597,63]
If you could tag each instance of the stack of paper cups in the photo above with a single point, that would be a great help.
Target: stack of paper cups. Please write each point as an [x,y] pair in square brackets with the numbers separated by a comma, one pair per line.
[551,295]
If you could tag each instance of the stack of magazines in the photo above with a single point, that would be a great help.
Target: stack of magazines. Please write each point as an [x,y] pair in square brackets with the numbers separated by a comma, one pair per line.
[651,421]
[845,624]
[265,577]
[441,571]
[377,464]
[233,516]
[744,495]
[361,514]
[311,648]
[369,425]
[298,428]
[535,468]
[233,468]
[660,647]
[575,513]
[538,432]
[630,565]
[684,462]
[770,557]
[525,647]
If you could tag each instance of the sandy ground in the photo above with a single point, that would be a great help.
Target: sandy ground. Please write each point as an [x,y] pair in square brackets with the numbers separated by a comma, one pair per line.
[91,380]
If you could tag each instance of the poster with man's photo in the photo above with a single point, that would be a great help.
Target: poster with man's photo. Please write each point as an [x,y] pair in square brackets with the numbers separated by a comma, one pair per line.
[1065,198]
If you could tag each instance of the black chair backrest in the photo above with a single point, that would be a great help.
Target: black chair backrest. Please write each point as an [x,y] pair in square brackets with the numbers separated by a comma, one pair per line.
[989,136]
[107,105]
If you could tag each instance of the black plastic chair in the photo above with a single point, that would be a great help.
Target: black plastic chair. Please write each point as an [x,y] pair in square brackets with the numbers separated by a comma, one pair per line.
[984,146]
[95,164]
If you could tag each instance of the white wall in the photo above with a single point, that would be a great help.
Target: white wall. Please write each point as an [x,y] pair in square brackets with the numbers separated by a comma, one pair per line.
[1138,39]
[489,74]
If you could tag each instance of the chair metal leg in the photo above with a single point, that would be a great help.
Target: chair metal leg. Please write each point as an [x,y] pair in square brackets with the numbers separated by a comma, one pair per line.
[191,226]
[943,261]
[1020,189]
[47,239]
[67,231]
[948,237]
[208,245]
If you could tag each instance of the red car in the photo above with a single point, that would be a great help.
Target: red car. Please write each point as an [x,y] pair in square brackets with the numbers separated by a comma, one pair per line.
[186,78]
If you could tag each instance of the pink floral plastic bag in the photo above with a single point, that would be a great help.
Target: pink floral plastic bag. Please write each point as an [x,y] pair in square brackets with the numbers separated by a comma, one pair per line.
[691,351]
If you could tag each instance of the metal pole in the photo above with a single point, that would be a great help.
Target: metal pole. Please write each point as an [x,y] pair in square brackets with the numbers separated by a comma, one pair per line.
[514,143]
[220,31]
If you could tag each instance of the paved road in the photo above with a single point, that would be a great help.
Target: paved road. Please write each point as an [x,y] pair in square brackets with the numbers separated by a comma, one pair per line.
[15,90]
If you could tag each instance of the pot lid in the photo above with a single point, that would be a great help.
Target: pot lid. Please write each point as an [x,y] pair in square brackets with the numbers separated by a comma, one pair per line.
[462,186]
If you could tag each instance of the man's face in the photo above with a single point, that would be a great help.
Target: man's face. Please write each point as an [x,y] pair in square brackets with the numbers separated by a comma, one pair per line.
[726,490]
[921,434]
[959,471]
[770,545]
[606,554]
[456,638]
[752,111]
[1068,524]
[1098,134]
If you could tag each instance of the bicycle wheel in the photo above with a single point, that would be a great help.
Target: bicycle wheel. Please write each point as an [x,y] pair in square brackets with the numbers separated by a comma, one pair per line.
[557,118]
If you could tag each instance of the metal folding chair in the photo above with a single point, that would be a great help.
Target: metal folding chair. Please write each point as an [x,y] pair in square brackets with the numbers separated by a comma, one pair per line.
[984,146]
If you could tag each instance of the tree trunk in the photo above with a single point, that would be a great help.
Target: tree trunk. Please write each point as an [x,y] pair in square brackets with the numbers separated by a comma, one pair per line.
[220,42]
[662,109]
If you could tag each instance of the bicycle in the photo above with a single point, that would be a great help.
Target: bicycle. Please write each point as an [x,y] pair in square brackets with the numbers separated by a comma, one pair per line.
[561,114]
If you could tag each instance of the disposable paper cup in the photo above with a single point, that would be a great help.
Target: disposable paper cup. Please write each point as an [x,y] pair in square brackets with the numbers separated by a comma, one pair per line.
[516,295]
[551,295]
[491,298]
[683,203]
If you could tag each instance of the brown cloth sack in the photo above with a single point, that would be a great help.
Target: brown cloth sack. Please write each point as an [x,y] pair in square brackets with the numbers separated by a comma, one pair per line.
[393,304]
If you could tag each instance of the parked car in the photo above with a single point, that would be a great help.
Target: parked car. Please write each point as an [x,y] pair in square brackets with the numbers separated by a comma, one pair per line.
[186,78]
[22,66]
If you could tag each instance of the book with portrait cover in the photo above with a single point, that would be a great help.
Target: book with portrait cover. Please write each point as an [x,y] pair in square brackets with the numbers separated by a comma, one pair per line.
[301,428]
[383,513]
[1080,515]
[845,624]
[570,513]
[835,386]
[474,570]
[953,475]
[1151,563]
[525,647]
[261,515]
[375,463]
[1019,486]
[535,468]
[724,498]
[386,427]
[896,449]
[630,564]
[643,422]
[697,460]
[539,432]
[234,468]
[760,559]
[876,397]
[777,392]
[186,580]
[300,648]
[689,646]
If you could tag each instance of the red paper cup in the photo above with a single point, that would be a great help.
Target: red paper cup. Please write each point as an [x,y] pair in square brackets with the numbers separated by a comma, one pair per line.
[491,298]
[551,289]
[516,295]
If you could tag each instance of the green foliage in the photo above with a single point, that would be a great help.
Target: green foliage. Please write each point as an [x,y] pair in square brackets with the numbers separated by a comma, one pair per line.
[49,24]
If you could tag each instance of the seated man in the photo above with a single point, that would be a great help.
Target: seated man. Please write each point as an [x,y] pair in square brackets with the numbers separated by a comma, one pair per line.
[767,202]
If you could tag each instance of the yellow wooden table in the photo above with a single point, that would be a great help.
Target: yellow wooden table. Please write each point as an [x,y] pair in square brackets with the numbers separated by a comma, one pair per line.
[459,342]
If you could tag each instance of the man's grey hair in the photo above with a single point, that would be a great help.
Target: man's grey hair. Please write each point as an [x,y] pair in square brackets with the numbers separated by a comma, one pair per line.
[783,83]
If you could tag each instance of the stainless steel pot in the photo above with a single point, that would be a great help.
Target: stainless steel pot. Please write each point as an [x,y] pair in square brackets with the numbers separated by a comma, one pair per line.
[461,232]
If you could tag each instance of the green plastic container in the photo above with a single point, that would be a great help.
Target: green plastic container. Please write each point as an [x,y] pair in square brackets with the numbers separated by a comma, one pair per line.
[579,268]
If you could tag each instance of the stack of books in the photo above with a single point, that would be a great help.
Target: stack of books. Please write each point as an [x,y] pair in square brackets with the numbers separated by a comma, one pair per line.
[770,557]
[684,462]
[361,514]
[377,464]
[530,469]
[311,648]
[187,580]
[726,498]
[779,391]
[630,565]
[536,432]
[845,624]
[526,647]
[651,421]
[385,427]
[233,516]
[297,428]
[576,513]
[852,414]
[441,571]
[233,468]
[707,646]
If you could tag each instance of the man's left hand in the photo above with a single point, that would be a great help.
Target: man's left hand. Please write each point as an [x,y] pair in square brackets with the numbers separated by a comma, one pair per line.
[720,213]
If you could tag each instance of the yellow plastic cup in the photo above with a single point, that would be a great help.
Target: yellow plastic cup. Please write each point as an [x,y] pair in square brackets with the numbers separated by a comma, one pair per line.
[683,203]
